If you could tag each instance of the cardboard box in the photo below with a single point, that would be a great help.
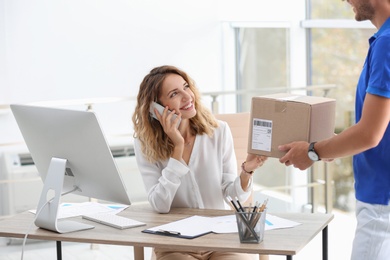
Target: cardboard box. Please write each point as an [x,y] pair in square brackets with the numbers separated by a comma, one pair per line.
[283,118]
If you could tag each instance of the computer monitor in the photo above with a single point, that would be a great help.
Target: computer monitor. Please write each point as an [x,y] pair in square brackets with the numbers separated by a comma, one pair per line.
[72,155]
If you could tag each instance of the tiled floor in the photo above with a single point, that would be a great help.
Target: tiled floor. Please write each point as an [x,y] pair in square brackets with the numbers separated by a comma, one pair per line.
[341,231]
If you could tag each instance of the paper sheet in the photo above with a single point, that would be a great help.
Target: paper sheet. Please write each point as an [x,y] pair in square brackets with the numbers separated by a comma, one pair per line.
[189,227]
[197,225]
[67,210]
[227,224]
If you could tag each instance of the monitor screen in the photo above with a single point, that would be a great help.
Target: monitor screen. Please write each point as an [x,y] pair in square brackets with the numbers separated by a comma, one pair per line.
[53,134]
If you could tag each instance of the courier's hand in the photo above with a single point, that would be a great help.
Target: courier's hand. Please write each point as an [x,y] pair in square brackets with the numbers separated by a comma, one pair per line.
[296,155]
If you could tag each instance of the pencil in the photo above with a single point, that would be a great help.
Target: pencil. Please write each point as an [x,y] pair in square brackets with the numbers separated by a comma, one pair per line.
[262,208]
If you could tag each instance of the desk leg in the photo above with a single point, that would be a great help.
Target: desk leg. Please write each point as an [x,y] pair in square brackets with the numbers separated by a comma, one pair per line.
[138,253]
[59,250]
[289,257]
[325,243]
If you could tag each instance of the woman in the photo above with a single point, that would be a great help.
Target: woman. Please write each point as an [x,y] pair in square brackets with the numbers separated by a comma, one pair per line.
[186,160]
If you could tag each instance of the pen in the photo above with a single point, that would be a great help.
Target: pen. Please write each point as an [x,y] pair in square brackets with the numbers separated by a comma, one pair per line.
[239,204]
[233,204]
[252,220]
[255,207]
[167,232]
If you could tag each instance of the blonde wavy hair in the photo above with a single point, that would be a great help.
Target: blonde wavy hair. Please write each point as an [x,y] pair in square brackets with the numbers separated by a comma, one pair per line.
[155,144]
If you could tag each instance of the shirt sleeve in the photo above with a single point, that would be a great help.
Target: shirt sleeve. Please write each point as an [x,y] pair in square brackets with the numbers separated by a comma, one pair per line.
[161,183]
[379,83]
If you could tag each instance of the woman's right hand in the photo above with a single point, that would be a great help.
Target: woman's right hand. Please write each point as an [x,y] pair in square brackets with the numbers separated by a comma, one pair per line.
[254,161]
[170,126]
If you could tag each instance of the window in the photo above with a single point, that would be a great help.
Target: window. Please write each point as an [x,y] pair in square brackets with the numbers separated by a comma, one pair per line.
[262,61]
[337,56]
[337,49]
[329,9]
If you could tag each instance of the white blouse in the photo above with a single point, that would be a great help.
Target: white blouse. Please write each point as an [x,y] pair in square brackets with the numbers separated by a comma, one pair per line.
[210,176]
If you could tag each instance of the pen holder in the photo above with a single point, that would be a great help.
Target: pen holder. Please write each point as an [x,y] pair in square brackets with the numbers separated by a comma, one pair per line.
[251,225]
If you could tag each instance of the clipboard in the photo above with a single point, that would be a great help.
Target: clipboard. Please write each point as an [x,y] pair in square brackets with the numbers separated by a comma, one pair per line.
[189,228]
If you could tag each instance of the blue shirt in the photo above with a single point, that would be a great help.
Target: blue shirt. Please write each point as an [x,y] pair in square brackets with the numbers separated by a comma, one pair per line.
[372,167]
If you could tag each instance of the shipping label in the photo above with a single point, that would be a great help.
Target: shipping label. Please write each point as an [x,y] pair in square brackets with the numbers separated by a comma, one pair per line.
[261,134]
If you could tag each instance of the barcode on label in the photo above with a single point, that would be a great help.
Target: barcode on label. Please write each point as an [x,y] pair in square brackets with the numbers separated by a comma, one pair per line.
[262,123]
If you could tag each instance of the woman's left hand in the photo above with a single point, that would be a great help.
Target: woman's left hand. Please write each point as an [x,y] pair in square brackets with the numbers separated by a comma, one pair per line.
[254,161]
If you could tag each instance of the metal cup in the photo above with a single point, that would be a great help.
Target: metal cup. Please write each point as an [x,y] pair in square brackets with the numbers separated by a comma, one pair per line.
[251,224]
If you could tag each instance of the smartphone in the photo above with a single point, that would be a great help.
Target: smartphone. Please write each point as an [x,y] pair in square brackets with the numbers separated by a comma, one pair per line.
[160,109]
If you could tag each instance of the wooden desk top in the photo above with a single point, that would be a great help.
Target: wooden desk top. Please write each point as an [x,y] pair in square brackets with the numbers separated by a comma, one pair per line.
[276,242]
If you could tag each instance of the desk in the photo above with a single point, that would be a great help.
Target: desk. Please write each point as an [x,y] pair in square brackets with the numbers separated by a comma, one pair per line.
[286,242]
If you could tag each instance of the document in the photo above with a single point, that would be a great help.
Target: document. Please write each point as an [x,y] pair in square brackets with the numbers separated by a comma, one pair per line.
[196,226]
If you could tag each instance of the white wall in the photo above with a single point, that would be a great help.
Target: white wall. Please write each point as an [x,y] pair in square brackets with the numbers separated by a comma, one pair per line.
[2,52]
[97,48]
[77,49]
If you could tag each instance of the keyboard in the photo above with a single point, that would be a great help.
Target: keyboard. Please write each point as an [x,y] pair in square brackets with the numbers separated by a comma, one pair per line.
[113,220]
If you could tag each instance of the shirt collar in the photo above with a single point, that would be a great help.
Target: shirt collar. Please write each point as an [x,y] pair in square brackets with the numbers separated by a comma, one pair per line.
[383,28]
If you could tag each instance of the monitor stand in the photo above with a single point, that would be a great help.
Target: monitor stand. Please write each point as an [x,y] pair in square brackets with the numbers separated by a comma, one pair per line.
[47,210]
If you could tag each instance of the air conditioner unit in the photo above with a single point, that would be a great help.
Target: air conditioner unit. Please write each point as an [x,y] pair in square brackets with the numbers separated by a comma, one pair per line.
[21,185]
